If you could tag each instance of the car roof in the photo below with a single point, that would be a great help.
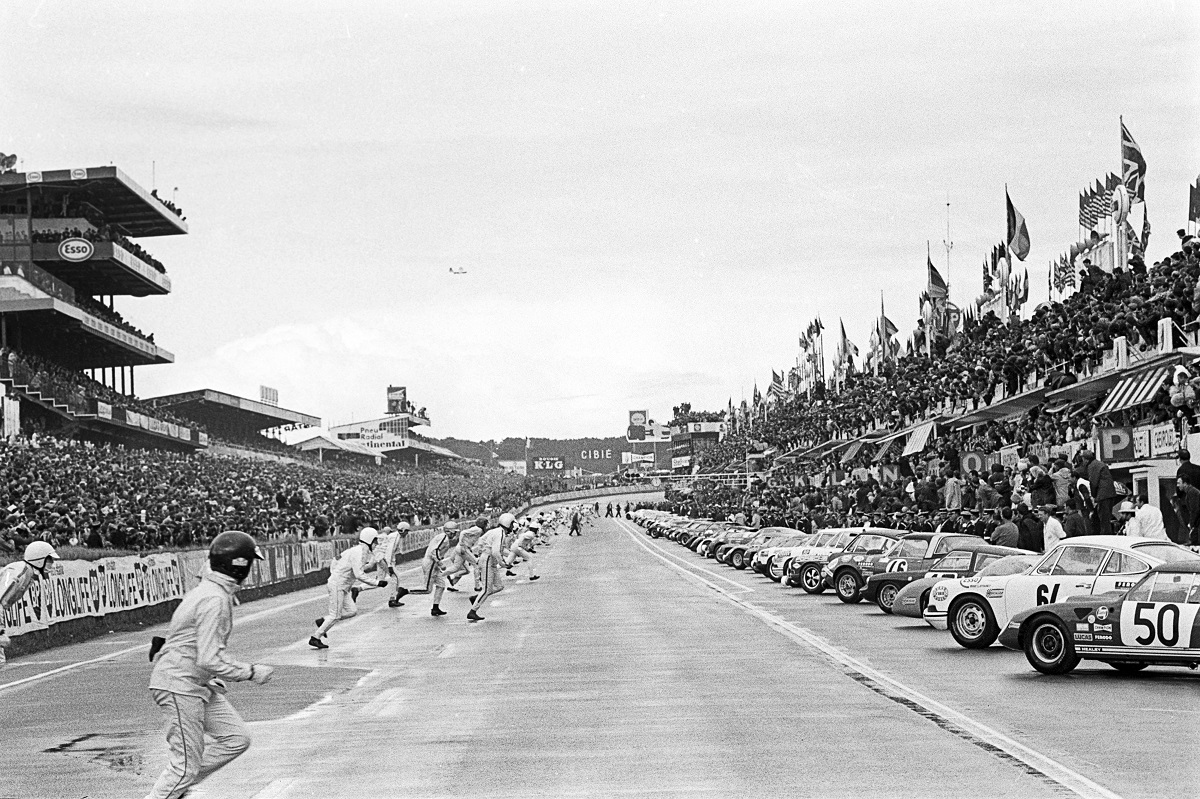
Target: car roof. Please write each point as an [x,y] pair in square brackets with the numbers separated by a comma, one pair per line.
[921,536]
[1122,542]
[859,530]
[1184,567]
[989,549]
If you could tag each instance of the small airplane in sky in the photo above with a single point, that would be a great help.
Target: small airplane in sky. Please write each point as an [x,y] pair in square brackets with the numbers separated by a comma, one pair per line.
[454,271]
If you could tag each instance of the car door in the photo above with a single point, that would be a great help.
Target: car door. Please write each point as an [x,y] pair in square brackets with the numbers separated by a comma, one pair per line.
[1067,571]
[1120,572]
[1160,613]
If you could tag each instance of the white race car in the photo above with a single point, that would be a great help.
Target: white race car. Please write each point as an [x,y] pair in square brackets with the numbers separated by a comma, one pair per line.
[975,609]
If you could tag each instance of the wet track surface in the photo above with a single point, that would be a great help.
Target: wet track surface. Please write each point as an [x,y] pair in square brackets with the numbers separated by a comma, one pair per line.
[632,668]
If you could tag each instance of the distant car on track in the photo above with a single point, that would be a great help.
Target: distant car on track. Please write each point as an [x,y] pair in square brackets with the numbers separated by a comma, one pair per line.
[975,609]
[1154,623]
[739,553]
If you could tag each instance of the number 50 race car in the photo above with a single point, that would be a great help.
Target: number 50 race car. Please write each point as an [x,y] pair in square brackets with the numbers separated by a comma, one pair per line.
[1153,623]
[976,609]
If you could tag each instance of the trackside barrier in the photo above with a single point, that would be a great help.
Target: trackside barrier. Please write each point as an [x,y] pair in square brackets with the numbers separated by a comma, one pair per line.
[82,599]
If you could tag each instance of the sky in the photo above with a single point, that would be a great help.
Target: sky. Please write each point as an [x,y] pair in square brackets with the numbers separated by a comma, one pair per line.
[651,200]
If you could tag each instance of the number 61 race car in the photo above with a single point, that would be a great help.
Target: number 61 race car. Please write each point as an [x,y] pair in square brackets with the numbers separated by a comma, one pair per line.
[976,609]
[1153,623]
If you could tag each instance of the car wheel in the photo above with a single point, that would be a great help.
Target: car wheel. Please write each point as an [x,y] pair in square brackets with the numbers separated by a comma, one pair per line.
[782,578]
[972,623]
[887,596]
[811,580]
[1129,668]
[738,560]
[846,584]
[1049,648]
[924,603]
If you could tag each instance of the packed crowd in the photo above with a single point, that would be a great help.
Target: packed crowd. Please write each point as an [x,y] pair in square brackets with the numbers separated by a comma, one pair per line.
[72,388]
[171,206]
[73,493]
[102,233]
[1060,343]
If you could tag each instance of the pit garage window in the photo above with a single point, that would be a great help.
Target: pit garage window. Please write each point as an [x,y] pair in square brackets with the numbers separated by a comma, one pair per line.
[1079,560]
[1121,563]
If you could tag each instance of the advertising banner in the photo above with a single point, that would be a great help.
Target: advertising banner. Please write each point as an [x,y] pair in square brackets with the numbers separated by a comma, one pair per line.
[397,398]
[78,588]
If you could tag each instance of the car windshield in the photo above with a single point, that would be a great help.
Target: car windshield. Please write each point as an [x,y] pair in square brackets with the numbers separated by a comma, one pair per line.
[1168,553]
[1013,564]
[840,539]
[822,539]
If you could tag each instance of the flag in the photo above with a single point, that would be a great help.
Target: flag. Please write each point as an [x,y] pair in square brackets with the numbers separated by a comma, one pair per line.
[1134,166]
[987,275]
[1194,202]
[1025,287]
[937,289]
[1097,208]
[1018,234]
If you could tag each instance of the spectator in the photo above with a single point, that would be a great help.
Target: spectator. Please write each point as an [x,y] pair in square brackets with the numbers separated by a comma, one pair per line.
[1073,523]
[1007,534]
[1188,471]
[1030,526]
[1186,504]
[1104,492]
[1052,529]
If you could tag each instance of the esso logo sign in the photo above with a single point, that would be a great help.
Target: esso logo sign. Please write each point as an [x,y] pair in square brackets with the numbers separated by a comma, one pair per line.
[75,249]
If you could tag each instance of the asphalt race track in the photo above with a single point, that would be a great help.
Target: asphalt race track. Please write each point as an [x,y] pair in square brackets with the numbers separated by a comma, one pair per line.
[632,668]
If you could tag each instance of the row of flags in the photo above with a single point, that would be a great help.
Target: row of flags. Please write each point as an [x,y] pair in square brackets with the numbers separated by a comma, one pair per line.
[1096,203]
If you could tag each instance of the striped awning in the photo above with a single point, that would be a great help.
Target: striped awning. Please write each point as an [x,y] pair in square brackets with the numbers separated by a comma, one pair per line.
[852,450]
[919,439]
[1134,390]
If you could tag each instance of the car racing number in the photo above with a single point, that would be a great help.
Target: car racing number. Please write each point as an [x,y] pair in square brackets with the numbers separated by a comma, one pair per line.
[1047,593]
[1158,624]
[897,565]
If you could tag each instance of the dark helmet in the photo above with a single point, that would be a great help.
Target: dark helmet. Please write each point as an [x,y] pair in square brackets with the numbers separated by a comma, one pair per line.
[233,553]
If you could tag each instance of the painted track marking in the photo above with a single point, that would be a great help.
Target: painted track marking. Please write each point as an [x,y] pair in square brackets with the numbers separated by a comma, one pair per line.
[952,721]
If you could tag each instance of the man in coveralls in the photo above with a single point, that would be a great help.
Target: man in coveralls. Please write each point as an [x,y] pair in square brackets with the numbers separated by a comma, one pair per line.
[188,682]
[15,579]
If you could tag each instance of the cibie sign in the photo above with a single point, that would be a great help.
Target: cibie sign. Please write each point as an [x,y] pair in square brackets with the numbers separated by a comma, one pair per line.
[75,249]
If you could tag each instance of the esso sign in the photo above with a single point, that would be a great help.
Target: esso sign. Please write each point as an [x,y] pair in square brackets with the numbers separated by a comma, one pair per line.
[75,249]
[595,455]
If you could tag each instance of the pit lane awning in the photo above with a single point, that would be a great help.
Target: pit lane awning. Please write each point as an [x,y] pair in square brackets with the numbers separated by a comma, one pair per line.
[919,439]
[852,450]
[1134,390]
[1015,405]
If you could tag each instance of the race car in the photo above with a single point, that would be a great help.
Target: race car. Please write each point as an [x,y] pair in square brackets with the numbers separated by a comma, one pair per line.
[848,574]
[826,540]
[911,599]
[1154,623]
[804,569]
[844,572]
[716,535]
[976,609]
[738,553]
[913,556]
[761,558]
[736,537]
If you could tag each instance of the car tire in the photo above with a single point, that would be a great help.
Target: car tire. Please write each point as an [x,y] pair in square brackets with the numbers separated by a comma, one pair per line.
[811,580]
[885,597]
[738,560]
[972,623]
[924,602]
[1049,647]
[1128,668]
[847,586]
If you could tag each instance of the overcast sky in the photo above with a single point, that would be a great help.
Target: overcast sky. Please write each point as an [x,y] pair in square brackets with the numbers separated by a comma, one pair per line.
[650,200]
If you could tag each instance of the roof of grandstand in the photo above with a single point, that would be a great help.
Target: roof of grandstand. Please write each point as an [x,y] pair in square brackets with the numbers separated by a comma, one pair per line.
[218,410]
[112,192]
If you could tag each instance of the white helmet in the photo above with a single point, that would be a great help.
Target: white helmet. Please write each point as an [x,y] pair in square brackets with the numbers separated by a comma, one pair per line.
[506,520]
[403,527]
[39,555]
[450,527]
[368,535]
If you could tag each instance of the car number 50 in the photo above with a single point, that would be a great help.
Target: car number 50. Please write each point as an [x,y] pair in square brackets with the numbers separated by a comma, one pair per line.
[1164,629]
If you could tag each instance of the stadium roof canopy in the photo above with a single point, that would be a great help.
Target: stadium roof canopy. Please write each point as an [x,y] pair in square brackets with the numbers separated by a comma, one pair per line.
[321,441]
[111,191]
[226,414]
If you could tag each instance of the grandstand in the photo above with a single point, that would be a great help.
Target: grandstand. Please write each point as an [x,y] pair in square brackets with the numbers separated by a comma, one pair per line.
[394,435]
[69,357]
[231,419]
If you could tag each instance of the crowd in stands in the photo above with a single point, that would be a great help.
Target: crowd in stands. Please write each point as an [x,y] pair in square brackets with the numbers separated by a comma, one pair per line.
[989,359]
[171,206]
[73,388]
[72,492]
[102,233]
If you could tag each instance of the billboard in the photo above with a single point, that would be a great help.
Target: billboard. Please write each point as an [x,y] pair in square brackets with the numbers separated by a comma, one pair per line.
[591,455]
[397,399]
[641,428]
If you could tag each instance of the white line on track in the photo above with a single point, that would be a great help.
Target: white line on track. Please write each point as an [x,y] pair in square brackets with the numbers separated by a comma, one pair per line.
[142,647]
[944,716]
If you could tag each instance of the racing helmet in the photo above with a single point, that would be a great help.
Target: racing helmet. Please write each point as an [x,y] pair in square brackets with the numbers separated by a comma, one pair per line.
[403,527]
[368,535]
[450,527]
[506,520]
[482,522]
[232,553]
[40,555]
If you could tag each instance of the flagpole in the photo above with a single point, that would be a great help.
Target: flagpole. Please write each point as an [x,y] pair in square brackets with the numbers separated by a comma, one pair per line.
[949,246]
